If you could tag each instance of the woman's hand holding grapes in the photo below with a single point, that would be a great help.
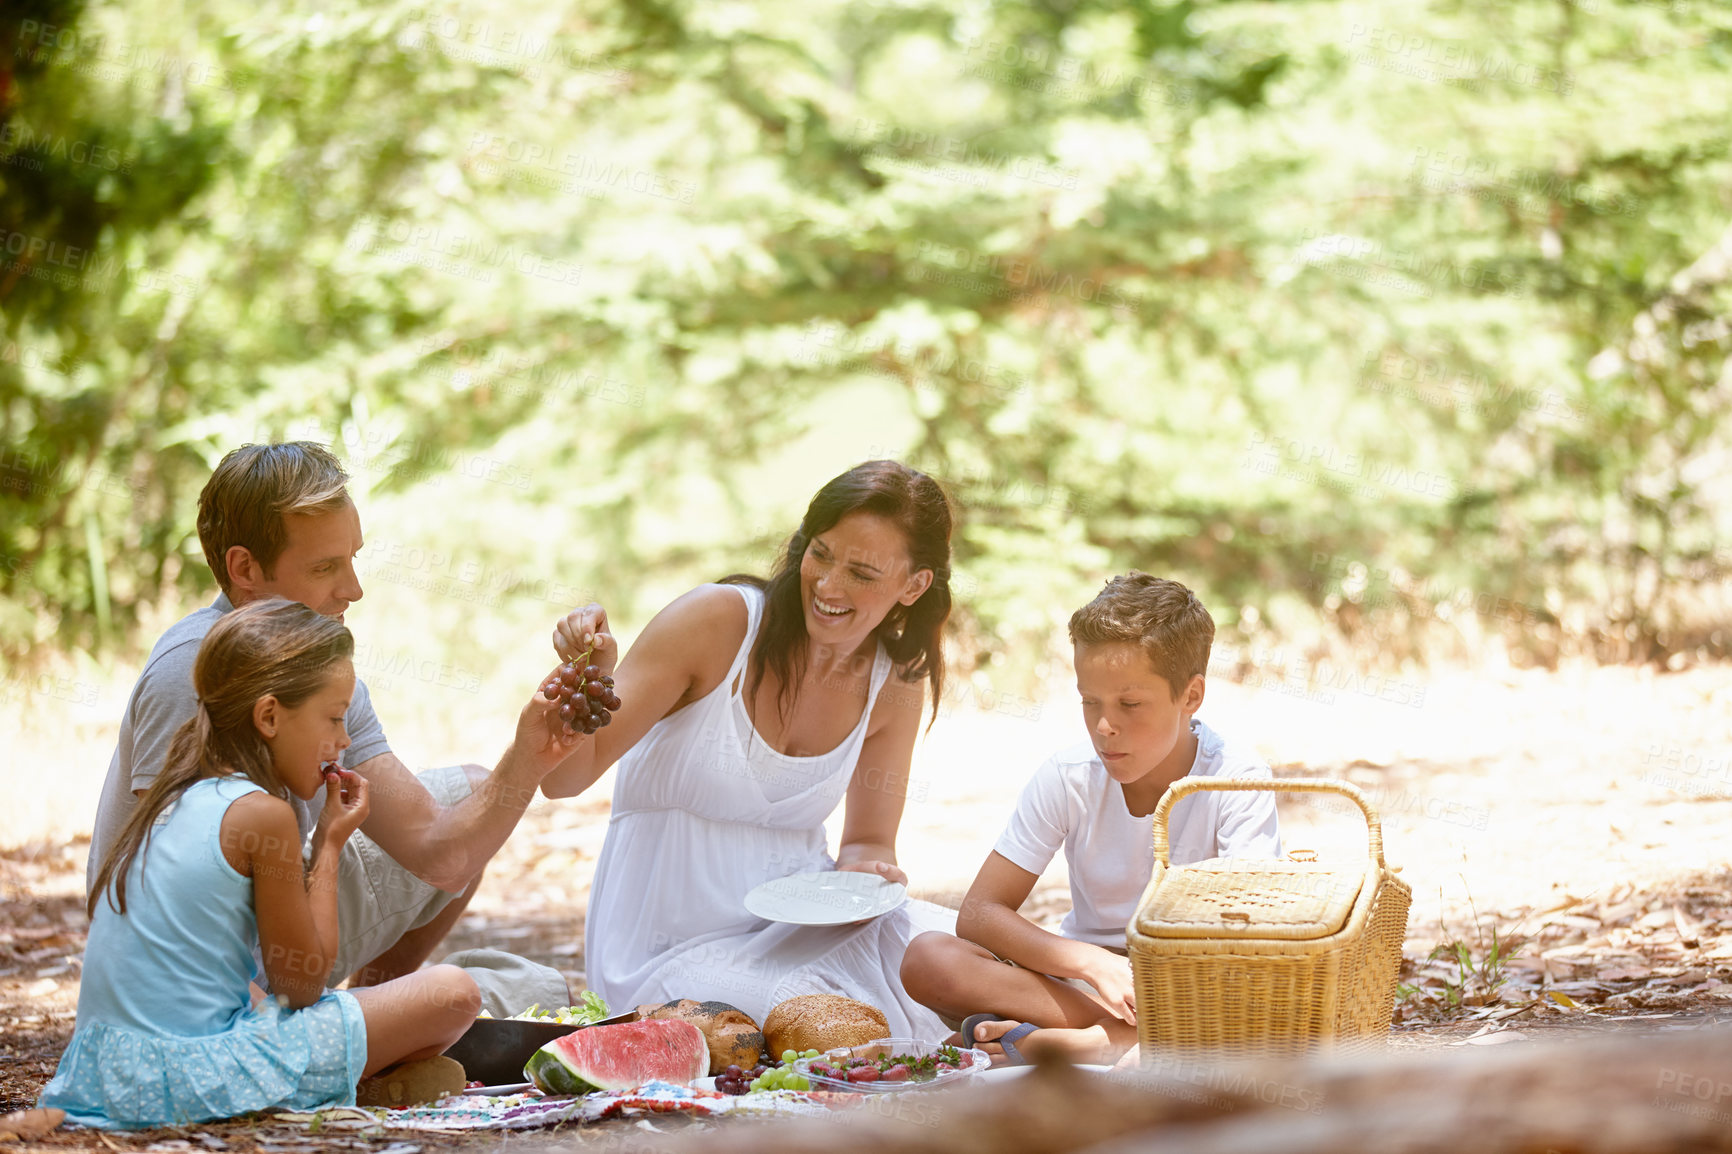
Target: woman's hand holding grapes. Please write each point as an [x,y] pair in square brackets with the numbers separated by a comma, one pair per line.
[584,633]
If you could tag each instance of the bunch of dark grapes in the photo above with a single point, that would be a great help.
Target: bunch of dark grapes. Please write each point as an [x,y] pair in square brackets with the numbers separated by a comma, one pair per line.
[586,698]
[735,1080]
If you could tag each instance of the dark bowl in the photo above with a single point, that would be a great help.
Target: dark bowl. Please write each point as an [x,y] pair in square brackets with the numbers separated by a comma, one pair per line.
[492,1051]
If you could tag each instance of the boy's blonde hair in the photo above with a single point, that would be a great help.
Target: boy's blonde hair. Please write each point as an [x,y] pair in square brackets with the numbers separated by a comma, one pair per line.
[1162,616]
[251,491]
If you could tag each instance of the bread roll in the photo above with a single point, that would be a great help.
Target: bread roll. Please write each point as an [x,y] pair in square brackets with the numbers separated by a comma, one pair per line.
[733,1038]
[822,1022]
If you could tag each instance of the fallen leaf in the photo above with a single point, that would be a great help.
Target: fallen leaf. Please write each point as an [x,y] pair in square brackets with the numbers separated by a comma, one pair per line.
[1494,1038]
[1689,929]
[1562,999]
[1624,973]
[30,1124]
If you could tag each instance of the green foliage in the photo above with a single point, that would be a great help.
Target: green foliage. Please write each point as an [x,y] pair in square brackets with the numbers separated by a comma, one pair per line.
[1355,317]
[1479,972]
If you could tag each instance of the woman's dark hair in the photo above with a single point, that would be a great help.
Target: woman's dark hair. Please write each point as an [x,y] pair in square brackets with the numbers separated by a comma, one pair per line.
[265,648]
[911,634]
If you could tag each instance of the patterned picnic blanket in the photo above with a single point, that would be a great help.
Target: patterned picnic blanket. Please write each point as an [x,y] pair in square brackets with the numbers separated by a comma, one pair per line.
[528,1111]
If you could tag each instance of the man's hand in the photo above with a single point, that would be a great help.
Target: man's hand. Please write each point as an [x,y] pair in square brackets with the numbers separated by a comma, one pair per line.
[1110,975]
[543,740]
[586,629]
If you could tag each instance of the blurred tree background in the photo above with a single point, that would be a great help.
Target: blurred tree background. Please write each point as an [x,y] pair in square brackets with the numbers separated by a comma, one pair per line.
[1398,330]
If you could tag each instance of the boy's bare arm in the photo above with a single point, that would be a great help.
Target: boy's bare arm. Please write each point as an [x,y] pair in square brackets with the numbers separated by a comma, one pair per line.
[989,918]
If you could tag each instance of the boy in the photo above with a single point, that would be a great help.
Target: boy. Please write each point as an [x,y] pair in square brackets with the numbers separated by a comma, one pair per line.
[1141,650]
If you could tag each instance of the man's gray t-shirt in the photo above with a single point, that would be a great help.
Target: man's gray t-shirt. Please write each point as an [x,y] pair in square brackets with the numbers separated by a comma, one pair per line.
[163,701]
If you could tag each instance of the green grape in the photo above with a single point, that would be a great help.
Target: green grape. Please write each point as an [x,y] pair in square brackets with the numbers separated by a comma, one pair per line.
[799,1082]
[790,1055]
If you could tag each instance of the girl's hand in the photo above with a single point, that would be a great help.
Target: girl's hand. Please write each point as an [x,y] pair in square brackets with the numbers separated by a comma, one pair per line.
[889,871]
[586,629]
[542,737]
[345,804]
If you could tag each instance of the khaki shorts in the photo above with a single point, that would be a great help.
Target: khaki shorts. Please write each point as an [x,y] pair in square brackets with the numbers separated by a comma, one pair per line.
[378,901]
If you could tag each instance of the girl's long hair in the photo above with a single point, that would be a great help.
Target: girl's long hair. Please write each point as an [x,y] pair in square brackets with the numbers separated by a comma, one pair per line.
[911,634]
[265,648]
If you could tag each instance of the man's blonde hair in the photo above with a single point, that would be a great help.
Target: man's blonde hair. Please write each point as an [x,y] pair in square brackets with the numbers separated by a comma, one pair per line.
[253,488]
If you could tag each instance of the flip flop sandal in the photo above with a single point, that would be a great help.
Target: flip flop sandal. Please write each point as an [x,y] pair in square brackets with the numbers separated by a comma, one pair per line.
[971,1024]
[1009,1039]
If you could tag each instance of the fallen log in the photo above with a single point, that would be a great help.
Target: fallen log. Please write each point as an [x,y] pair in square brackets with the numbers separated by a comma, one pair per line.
[1599,1095]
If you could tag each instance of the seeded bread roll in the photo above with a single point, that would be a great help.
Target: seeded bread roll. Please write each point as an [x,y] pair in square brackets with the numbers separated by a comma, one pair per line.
[731,1035]
[822,1022]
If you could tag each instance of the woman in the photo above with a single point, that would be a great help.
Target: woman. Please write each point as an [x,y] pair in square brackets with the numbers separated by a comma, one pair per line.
[749,709]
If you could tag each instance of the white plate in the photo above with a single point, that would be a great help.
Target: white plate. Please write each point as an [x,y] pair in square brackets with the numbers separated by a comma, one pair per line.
[1002,1073]
[494,1091]
[828,898]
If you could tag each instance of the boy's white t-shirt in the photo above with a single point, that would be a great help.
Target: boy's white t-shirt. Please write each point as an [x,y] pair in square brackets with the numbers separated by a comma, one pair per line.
[1071,803]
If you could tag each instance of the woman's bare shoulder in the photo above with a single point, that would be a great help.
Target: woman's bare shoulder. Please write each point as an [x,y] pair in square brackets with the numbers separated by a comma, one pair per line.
[901,700]
[711,608]
[700,630]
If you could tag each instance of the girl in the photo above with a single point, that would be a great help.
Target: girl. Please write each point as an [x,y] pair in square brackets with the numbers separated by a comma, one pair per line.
[206,882]
[751,708]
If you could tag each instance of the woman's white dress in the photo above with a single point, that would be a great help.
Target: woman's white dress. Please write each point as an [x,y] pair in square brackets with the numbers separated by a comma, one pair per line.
[704,810]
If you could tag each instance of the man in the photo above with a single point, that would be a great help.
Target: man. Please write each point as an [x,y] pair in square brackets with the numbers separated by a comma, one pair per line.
[276,521]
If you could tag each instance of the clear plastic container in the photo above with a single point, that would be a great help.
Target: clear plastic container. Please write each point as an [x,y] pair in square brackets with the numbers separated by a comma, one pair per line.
[977,1060]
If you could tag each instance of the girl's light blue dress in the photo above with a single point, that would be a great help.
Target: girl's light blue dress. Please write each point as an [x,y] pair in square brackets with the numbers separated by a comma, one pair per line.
[166,1034]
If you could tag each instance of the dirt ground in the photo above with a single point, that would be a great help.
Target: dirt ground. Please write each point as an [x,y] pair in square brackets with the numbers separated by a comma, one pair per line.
[1568,837]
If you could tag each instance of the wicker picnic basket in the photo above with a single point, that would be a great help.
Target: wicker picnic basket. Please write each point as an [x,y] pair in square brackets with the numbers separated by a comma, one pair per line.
[1238,958]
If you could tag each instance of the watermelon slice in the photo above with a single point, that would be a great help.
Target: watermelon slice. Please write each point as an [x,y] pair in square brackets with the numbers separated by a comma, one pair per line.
[620,1057]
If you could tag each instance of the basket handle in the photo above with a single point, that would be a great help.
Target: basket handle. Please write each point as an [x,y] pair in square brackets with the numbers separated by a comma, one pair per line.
[1186,786]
